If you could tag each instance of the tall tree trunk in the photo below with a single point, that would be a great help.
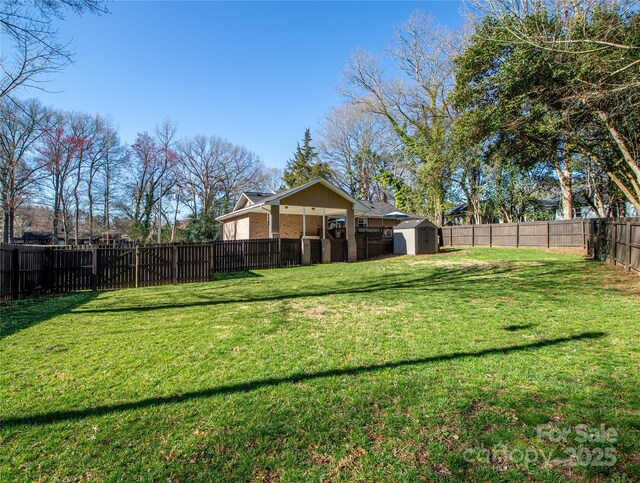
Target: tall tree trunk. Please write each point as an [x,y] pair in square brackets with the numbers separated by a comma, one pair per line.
[175,217]
[76,219]
[159,237]
[12,222]
[56,211]
[5,226]
[622,145]
[565,179]
[107,182]
[90,206]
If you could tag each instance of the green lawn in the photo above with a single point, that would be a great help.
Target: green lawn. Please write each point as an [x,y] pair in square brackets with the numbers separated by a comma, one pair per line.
[407,368]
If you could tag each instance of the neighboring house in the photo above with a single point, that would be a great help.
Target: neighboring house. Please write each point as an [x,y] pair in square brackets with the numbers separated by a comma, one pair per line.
[317,209]
[381,214]
[458,215]
[40,238]
[550,206]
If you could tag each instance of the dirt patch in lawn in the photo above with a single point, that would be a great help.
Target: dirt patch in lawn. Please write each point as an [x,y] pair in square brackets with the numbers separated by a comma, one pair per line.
[622,281]
[464,264]
[325,312]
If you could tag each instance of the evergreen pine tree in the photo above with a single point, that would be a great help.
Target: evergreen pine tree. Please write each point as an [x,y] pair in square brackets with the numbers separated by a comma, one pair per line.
[305,166]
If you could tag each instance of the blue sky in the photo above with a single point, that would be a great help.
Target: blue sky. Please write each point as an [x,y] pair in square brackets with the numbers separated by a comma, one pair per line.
[256,73]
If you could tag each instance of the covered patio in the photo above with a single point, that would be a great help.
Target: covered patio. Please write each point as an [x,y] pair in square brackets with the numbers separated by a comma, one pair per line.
[300,213]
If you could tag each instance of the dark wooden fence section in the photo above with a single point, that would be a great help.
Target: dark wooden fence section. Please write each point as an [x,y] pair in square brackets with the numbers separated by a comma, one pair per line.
[545,234]
[372,245]
[316,251]
[617,242]
[338,250]
[290,252]
[30,270]
[612,240]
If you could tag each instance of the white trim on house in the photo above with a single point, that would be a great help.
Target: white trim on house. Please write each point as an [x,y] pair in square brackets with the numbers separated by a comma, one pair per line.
[242,196]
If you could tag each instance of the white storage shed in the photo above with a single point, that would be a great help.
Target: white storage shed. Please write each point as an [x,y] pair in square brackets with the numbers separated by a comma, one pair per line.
[415,237]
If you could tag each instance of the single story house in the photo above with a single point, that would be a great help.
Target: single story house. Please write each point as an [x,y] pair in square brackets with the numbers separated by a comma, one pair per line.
[317,209]
[316,212]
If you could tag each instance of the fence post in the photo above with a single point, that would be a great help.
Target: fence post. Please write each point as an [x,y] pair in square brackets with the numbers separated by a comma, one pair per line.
[473,235]
[94,269]
[46,268]
[137,263]
[592,238]
[490,235]
[214,246]
[174,265]
[279,258]
[584,238]
[548,235]
[211,259]
[517,234]
[628,246]
[15,272]
[614,242]
[366,245]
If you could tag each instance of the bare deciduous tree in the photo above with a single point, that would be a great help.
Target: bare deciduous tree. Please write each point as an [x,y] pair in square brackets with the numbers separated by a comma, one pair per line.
[35,48]
[416,105]
[20,128]
[358,145]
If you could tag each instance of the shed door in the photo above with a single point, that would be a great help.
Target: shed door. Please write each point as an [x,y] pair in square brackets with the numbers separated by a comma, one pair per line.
[428,237]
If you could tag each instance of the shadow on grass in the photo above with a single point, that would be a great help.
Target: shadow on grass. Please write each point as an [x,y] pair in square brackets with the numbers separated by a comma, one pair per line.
[245,387]
[517,327]
[20,315]
[449,250]
[235,275]
[479,279]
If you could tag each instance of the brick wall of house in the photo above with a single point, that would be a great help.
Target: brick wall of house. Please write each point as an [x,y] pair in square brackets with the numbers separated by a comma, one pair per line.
[291,225]
[256,225]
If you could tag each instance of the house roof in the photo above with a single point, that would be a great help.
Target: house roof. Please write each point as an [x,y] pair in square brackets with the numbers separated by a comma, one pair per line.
[35,235]
[410,224]
[379,209]
[457,210]
[274,198]
[252,197]
[257,196]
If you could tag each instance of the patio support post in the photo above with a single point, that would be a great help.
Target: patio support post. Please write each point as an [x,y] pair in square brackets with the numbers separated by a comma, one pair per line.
[306,251]
[326,250]
[324,224]
[352,248]
[326,244]
[274,226]
[304,221]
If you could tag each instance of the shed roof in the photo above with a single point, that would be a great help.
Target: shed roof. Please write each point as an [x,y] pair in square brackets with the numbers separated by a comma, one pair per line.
[411,224]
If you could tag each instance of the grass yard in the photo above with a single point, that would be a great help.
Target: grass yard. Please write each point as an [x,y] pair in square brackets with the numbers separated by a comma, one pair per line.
[434,367]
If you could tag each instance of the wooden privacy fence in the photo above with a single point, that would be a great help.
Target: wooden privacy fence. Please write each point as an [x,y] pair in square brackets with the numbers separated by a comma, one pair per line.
[371,245]
[616,241]
[546,234]
[28,270]
[612,240]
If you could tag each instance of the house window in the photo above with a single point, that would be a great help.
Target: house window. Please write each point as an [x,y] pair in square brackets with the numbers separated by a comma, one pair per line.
[363,222]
